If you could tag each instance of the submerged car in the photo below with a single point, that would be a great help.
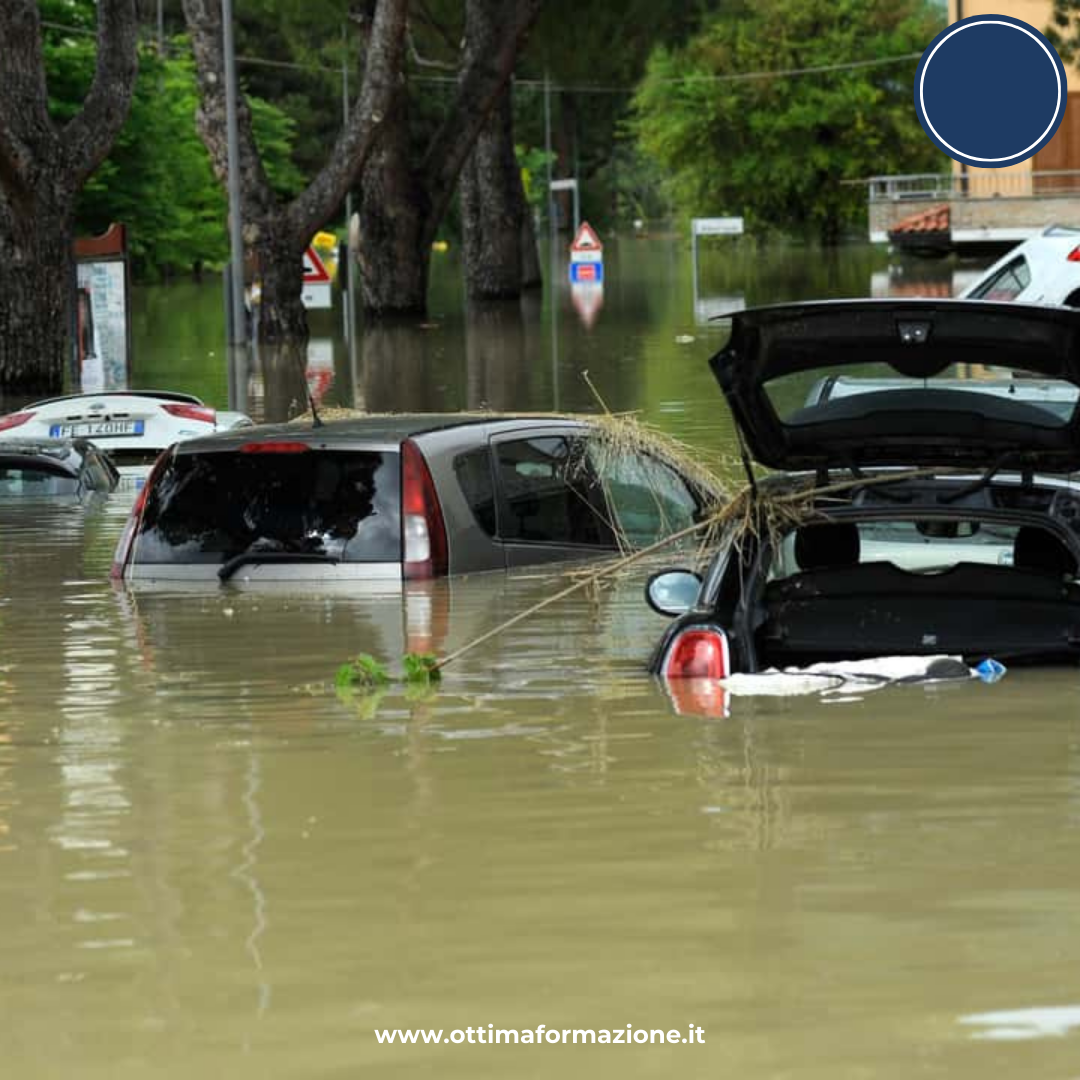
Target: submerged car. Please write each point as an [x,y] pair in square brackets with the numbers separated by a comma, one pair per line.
[44,468]
[133,425]
[399,497]
[1044,269]
[921,512]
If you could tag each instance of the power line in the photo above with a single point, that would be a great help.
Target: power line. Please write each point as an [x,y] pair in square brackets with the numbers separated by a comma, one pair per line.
[577,88]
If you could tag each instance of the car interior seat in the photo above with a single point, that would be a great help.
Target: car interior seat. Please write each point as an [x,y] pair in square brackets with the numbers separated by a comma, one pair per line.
[1040,550]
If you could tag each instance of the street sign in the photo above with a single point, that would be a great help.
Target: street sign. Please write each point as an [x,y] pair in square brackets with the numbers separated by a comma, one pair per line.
[315,272]
[586,256]
[586,241]
[717,226]
[316,293]
[586,271]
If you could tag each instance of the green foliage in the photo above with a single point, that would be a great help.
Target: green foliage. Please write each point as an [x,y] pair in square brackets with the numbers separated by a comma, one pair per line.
[533,162]
[363,672]
[157,180]
[421,668]
[1064,34]
[777,148]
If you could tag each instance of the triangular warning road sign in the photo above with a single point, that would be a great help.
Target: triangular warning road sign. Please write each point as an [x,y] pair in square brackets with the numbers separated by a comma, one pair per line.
[315,272]
[586,239]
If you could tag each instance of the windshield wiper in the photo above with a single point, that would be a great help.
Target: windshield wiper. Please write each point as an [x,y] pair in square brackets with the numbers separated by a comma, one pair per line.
[245,558]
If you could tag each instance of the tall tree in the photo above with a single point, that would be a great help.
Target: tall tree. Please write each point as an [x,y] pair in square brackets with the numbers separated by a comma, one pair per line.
[777,147]
[405,194]
[498,239]
[276,231]
[43,166]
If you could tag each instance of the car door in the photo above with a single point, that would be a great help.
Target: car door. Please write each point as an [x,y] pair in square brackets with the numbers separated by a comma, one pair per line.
[550,504]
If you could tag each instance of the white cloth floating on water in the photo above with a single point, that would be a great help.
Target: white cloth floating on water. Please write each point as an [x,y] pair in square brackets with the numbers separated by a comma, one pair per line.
[850,675]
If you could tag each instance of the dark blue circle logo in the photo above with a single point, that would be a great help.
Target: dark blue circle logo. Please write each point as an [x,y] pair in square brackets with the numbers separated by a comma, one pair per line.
[990,91]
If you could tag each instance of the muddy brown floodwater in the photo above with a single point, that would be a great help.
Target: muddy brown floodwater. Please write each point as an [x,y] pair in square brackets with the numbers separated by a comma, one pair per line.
[211,864]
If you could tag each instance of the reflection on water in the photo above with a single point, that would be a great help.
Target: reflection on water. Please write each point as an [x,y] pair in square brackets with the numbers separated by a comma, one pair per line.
[213,863]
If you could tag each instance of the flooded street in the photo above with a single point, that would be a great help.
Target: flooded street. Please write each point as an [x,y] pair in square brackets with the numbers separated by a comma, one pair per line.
[212,863]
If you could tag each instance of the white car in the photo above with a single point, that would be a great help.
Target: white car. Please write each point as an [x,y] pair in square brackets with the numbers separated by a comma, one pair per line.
[1042,270]
[134,426]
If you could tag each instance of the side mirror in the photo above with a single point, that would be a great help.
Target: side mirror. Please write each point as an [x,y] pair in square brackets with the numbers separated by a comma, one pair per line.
[672,592]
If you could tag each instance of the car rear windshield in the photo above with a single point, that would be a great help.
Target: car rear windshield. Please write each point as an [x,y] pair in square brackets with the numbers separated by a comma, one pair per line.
[212,507]
[19,481]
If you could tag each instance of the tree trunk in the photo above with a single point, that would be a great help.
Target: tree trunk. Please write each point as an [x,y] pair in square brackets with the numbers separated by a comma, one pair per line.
[404,200]
[37,279]
[279,259]
[493,210]
[42,169]
[396,227]
[276,233]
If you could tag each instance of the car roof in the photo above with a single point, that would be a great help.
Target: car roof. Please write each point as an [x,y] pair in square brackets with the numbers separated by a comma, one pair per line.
[377,430]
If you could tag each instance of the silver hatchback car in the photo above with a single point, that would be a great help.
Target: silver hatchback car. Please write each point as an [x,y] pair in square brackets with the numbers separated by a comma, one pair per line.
[399,497]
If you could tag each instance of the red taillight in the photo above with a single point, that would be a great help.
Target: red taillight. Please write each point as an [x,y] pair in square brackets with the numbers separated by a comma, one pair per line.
[698,653]
[1074,255]
[274,448]
[202,413]
[16,419]
[127,538]
[422,529]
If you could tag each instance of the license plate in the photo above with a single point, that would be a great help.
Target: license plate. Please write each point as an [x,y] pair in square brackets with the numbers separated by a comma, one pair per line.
[96,429]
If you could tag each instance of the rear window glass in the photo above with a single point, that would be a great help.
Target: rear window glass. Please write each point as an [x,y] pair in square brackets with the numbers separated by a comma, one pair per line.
[209,508]
[847,392]
[26,481]
[917,546]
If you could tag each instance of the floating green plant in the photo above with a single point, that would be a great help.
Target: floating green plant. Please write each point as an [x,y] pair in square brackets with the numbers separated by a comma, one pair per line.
[364,673]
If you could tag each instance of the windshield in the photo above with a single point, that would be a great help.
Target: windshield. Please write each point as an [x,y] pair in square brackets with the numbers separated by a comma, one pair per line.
[832,393]
[212,507]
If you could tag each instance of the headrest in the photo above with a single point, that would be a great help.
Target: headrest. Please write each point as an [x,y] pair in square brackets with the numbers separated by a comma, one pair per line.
[1040,550]
[821,547]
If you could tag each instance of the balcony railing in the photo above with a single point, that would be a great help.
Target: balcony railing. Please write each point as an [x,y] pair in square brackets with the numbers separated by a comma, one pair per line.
[980,185]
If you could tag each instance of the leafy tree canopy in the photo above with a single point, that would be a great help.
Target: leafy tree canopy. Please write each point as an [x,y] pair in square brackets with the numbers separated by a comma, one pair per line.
[157,180]
[777,148]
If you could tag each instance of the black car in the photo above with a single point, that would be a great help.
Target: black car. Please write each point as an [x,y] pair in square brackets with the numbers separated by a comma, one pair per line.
[926,513]
[386,498]
[45,468]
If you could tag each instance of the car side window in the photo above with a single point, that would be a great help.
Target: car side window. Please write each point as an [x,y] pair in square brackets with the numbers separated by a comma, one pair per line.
[473,472]
[649,498]
[549,494]
[1007,284]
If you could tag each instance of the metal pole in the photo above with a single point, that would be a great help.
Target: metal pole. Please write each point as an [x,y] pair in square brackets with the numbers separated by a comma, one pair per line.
[547,151]
[161,27]
[350,296]
[236,233]
[693,249]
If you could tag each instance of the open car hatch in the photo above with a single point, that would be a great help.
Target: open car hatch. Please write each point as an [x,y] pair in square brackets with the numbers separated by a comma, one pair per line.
[925,383]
